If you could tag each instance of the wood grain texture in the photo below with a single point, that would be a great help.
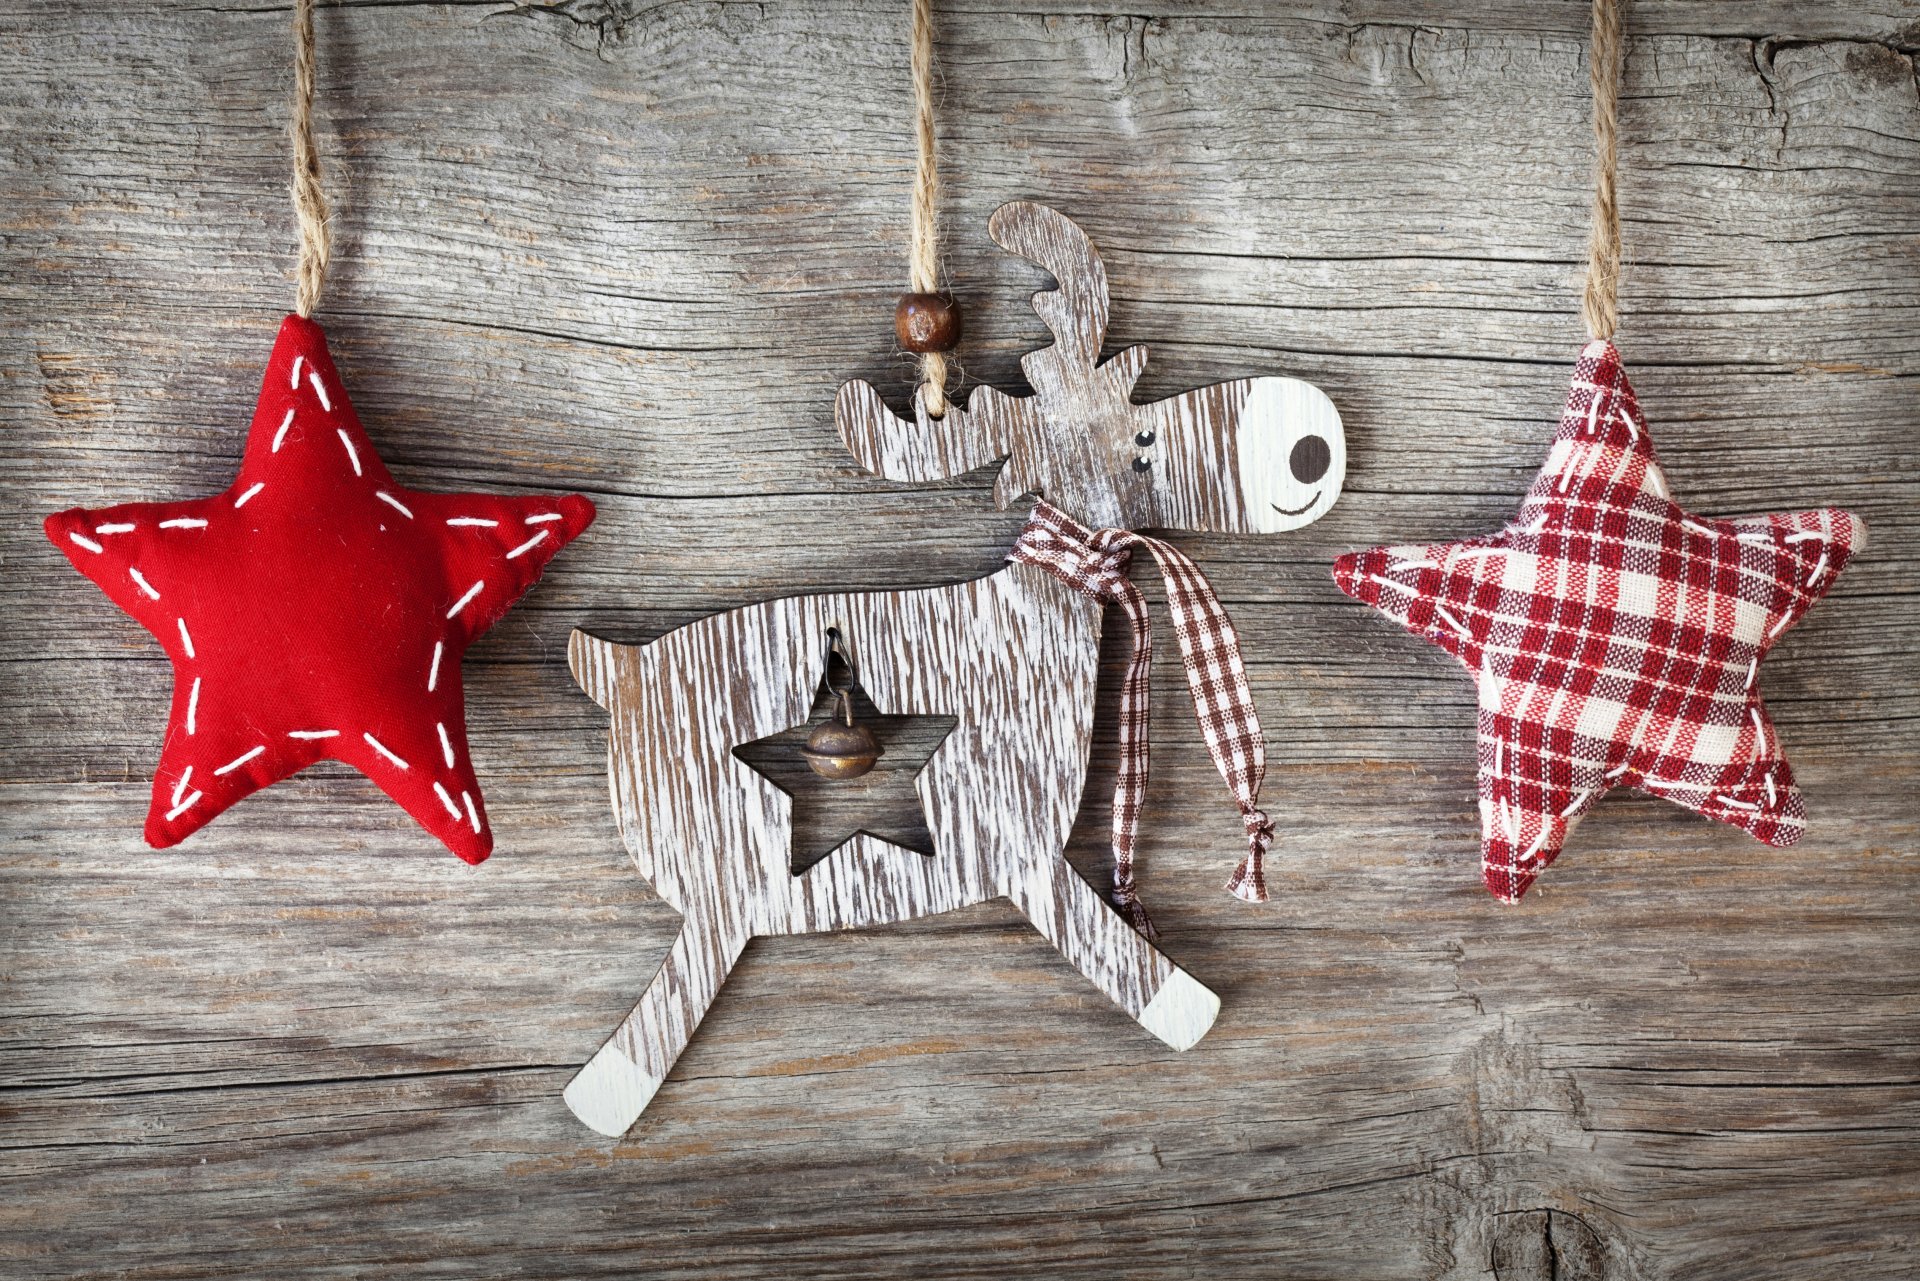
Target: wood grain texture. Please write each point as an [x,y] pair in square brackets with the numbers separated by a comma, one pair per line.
[633,251]
[1012,659]
[1217,459]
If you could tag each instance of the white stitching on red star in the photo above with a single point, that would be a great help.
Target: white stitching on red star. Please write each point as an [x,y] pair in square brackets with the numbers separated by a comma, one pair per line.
[299,614]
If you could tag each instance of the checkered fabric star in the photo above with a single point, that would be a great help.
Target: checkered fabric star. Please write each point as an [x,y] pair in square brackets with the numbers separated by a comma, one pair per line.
[317,608]
[1615,638]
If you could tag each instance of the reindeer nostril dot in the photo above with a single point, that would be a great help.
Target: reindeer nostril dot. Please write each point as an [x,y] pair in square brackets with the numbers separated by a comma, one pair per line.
[1310,459]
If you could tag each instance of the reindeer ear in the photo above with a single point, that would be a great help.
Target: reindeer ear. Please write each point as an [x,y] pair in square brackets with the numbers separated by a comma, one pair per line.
[1076,311]
[926,448]
[1124,370]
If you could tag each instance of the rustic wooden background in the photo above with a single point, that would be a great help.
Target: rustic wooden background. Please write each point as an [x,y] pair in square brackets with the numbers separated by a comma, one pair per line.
[632,249]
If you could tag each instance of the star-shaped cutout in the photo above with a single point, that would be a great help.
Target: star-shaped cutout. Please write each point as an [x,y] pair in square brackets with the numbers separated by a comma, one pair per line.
[317,609]
[884,804]
[1615,638]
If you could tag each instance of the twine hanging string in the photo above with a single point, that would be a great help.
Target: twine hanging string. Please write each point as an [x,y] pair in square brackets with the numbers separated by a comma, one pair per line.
[309,202]
[923,252]
[1600,304]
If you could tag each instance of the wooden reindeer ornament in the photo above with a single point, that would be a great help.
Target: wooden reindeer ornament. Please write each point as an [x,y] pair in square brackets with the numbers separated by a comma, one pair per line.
[1011,658]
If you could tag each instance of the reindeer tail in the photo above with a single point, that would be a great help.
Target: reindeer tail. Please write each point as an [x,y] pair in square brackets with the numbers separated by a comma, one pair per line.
[600,667]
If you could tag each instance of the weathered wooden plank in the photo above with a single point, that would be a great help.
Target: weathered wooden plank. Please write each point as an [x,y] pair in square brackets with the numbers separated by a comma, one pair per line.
[1703,944]
[633,250]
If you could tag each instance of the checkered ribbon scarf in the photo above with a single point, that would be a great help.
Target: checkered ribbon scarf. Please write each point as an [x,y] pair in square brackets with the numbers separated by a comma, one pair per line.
[1095,562]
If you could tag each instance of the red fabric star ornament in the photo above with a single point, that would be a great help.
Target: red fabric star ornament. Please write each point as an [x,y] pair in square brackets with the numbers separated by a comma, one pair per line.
[317,609]
[1616,639]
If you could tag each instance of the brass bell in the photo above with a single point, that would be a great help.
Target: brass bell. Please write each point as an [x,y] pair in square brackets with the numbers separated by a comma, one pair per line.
[840,749]
[837,748]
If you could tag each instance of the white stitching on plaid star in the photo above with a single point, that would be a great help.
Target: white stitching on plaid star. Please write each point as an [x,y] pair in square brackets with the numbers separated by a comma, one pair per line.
[1629,634]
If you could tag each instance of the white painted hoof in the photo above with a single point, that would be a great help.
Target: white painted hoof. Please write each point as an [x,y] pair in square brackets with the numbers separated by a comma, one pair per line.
[1180,1012]
[611,1092]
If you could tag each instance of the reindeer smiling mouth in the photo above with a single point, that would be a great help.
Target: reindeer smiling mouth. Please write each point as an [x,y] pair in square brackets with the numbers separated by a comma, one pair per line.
[1308,460]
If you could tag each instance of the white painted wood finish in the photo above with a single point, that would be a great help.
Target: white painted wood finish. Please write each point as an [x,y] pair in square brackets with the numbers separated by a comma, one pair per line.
[632,250]
[1012,657]
[1218,459]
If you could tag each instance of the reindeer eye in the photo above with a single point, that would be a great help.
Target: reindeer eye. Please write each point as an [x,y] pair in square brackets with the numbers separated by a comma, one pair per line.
[1144,438]
[1143,464]
[1310,459]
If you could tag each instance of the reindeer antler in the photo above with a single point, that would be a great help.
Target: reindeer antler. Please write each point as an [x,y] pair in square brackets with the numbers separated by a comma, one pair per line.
[1067,379]
[1076,311]
[927,448]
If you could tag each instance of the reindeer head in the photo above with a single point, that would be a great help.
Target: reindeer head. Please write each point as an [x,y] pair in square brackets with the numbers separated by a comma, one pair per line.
[1256,455]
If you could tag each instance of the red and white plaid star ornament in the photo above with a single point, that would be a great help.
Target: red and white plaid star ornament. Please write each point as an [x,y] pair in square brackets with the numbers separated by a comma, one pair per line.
[317,609]
[1616,639]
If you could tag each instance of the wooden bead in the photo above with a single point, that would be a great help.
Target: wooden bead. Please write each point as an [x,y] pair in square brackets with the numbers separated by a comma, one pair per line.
[927,322]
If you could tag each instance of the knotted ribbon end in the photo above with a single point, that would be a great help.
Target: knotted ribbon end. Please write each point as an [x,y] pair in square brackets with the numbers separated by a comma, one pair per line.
[1249,880]
[1136,914]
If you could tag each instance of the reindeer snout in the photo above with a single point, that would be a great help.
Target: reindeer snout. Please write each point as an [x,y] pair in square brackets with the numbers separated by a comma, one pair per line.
[1292,454]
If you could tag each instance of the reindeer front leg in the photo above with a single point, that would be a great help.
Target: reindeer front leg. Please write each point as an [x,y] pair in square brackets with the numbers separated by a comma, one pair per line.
[1162,997]
[615,1086]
